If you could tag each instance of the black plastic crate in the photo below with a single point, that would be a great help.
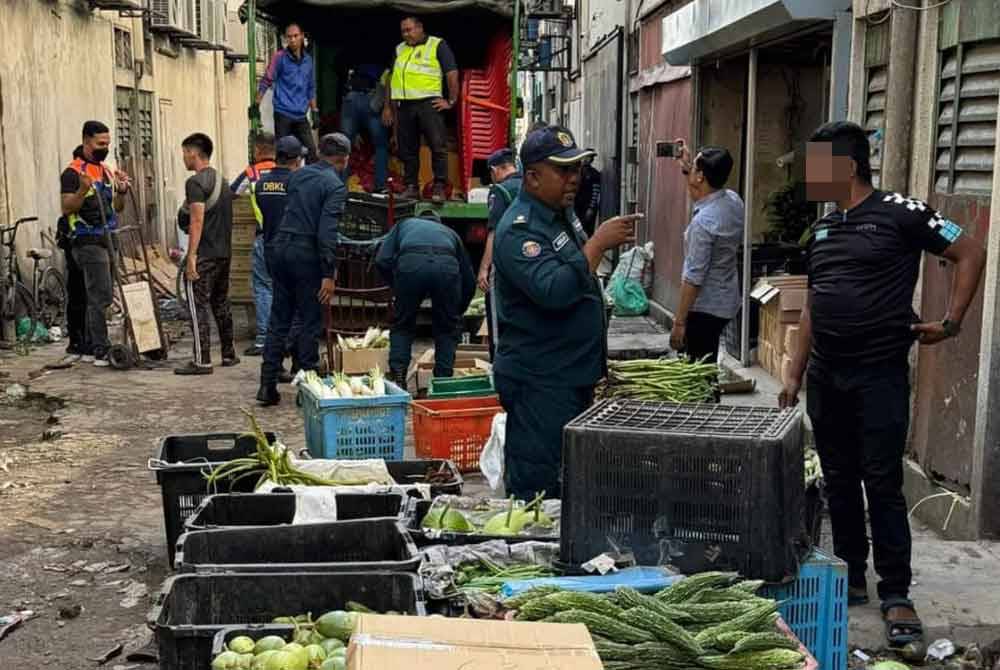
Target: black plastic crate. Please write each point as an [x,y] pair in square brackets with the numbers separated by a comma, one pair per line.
[366,216]
[228,510]
[412,472]
[418,510]
[699,487]
[356,267]
[191,609]
[181,463]
[338,546]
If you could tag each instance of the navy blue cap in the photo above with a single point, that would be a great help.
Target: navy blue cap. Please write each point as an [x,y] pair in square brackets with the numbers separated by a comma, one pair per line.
[554,144]
[500,157]
[289,147]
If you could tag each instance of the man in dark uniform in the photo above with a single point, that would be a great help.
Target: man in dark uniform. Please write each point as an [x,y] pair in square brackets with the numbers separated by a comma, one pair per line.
[855,332]
[506,185]
[422,258]
[551,310]
[302,258]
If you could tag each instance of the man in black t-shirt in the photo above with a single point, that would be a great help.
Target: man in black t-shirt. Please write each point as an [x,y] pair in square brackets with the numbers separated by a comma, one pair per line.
[207,217]
[855,333]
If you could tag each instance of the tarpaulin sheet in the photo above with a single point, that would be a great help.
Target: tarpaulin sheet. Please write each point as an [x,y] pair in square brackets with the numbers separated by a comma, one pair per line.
[642,579]
[502,7]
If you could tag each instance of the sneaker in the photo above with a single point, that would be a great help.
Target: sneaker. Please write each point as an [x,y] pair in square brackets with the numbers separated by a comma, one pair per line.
[87,358]
[192,369]
[253,350]
[101,362]
[437,196]
[230,361]
[268,396]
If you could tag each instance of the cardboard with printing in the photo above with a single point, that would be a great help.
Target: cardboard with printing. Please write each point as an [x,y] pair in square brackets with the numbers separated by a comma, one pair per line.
[430,643]
[360,361]
[782,299]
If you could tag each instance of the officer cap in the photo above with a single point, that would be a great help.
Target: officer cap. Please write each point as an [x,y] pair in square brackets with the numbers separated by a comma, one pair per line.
[500,157]
[554,144]
[289,147]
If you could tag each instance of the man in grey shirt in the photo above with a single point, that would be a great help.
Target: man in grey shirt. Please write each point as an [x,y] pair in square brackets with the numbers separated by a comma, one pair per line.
[710,291]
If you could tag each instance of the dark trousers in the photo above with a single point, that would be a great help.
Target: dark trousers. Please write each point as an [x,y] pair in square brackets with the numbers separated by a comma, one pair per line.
[419,276]
[416,118]
[300,128]
[860,417]
[209,295]
[703,333]
[76,308]
[95,265]
[296,275]
[536,416]
[489,324]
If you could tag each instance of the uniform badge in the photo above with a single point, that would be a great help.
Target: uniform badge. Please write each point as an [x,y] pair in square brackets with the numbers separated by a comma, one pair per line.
[531,249]
[822,234]
[564,139]
[560,241]
[520,218]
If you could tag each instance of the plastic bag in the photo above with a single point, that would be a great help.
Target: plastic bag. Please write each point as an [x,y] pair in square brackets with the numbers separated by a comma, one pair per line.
[492,459]
[637,264]
[23,325]
[628,297]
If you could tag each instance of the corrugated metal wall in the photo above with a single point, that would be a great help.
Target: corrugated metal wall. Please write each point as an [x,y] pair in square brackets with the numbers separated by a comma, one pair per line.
[602,121]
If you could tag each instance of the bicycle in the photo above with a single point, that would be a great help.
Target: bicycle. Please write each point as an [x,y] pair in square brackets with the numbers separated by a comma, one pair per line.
[17,303]
[49,286]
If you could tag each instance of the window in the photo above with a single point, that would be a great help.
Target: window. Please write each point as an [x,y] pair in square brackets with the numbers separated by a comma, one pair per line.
[123,49]
[969,88]
[876,85]
[123,124]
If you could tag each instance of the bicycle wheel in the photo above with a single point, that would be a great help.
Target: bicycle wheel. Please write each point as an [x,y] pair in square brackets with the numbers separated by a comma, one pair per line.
[51,301]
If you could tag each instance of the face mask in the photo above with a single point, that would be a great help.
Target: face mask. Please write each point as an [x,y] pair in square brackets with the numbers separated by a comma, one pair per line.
[100,154]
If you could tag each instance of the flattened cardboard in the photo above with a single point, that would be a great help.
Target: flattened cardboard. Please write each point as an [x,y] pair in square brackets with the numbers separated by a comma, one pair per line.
[430,643]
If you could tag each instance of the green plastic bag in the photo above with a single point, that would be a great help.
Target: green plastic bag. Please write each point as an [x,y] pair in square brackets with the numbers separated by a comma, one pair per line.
[630,299]
[41,333]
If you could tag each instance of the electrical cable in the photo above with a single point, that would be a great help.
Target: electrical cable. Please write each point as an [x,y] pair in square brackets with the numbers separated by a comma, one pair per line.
[897,3]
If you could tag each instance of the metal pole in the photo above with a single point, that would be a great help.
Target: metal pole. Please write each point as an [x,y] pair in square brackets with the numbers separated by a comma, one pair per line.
[254,112]
[751,145]
[515,61]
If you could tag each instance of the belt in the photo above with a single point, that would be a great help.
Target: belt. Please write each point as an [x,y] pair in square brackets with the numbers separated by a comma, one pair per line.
[429,249]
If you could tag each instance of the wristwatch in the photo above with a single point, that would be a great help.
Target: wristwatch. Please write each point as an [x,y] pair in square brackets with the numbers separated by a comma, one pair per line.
[951,328]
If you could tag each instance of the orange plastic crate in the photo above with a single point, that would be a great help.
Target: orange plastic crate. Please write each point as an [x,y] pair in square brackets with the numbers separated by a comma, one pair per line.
[454,428]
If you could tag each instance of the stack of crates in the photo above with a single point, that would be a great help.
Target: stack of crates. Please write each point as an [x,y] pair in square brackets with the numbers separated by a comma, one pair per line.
[698,487]
[484,129]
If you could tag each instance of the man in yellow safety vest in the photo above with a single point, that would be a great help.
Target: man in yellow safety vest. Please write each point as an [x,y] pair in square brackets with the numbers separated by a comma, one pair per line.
[416,102]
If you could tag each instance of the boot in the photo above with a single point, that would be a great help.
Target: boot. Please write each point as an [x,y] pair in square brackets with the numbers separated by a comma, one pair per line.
[268,396]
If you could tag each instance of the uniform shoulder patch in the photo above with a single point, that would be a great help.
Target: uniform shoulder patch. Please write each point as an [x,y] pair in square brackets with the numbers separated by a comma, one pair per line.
[561,240]
[520,218]
[531,249]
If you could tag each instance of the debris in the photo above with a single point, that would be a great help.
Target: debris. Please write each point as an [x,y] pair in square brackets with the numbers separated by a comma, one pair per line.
[41,523]
[97,567]
[5,462]
[55,568]
[108,655]
[134,591]
[11,621]
[71,612]
[16,392]
[111,569]
[941,649]
[79,582]
[913,652]
[862,656]
[79,564]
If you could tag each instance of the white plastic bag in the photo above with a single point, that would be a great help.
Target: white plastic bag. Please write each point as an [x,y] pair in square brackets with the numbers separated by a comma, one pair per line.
[636,264]
[491,460]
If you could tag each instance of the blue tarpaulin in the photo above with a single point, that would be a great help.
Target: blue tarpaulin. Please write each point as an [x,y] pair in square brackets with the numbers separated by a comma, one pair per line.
[644,580]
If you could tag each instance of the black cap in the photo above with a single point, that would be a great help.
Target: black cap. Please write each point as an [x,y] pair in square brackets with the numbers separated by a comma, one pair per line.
[500,157]
[289,147]
[554,144]
[335,144]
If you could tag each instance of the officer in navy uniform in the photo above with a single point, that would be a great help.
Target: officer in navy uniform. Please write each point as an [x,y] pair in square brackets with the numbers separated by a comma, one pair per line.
[550,309]
[506,185]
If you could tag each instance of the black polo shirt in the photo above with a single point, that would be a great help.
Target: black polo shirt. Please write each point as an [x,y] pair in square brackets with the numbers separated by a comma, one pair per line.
[863,269]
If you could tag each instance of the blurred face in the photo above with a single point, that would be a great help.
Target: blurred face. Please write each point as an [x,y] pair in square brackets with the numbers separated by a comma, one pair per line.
[697,185]
[294,38]
[97,146]
[828,177]
[501,172]
[412,31]
[340,162]
[555,185]
[191,157]
[262,153]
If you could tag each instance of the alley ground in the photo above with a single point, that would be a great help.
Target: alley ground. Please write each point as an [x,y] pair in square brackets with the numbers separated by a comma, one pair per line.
[81,528]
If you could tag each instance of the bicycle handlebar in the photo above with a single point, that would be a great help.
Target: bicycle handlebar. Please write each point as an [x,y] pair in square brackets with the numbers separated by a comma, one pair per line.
[17,223]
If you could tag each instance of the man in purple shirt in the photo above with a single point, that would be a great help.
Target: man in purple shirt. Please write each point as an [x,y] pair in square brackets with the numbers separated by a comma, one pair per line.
[290,72]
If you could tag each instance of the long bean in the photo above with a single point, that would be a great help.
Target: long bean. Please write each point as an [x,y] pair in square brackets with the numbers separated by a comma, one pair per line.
[669,380]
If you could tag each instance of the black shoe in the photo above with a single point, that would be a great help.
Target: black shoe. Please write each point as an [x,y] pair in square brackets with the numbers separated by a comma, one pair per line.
[285,377]
[191,369]
[230,361]
[268,396]
[253,350]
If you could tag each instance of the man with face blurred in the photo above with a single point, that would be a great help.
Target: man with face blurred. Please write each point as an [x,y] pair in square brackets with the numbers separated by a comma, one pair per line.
[550,309]
[855,333]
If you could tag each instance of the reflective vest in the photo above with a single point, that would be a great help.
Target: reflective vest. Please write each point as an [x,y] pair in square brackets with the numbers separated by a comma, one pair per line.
[417,74]
[102,187]
[257,214]
[257,170]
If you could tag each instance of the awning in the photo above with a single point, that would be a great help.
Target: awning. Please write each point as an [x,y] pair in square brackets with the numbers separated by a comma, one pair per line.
[502,7]
[707,27]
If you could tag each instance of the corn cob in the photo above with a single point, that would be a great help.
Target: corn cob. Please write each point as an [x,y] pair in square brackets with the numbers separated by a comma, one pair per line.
[682,591]
[515,602]
[764,642]
[598,624]
[774,659]
[663,630]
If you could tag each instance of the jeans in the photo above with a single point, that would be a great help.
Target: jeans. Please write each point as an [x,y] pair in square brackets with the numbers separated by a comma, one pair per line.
[76,308]
[860,419]
[419,276]
[209,297]
[95,264]
[300,128]
[262,290]
[295,271]
[416,118]
[357,116]
[536,416]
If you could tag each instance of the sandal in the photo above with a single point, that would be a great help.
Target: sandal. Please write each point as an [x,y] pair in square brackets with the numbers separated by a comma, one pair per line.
[900,632]
[857,595]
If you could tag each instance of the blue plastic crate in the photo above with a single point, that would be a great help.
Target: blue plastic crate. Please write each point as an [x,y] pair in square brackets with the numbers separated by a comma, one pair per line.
[356,428]
[815,607]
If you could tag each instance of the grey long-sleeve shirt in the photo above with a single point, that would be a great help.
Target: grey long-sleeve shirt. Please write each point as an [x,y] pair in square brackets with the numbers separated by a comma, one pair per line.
[711,252]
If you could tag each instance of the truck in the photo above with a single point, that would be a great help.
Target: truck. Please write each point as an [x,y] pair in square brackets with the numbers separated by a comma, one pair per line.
[343,34]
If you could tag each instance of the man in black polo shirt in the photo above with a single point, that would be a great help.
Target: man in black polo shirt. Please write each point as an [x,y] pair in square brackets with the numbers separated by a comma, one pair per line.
[855,333]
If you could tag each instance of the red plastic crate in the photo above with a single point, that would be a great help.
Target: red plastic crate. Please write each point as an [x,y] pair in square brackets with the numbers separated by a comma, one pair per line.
[455,428]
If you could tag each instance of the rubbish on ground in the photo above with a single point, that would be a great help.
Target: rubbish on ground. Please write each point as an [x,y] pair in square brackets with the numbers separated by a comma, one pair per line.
[134,592]
[108,655]
[861,656]
[16,392]
[71,612]
[941,649]
[9,622]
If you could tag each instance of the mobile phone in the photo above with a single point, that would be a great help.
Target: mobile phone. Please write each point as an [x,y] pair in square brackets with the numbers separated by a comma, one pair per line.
[668,149]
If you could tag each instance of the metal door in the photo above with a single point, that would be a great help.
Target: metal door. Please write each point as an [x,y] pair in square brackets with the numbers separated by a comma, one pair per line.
[134,149]
[602,122]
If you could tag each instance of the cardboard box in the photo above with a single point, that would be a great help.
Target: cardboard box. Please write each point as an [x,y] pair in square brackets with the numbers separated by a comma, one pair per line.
[791,339]
[783,296]
[360,361]
[432,643]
